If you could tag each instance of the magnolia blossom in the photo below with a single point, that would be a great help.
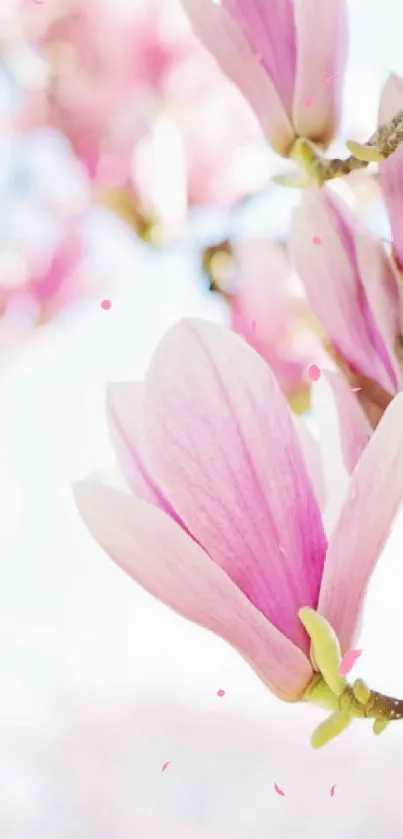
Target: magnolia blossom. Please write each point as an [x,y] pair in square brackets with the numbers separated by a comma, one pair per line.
[353,291]
[391,169]
[224,526]
[282,55]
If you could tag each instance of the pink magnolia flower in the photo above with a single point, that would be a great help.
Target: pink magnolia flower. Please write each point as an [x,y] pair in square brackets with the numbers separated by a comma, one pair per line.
[391,169]
[352,290]
[280,55]
[224,527]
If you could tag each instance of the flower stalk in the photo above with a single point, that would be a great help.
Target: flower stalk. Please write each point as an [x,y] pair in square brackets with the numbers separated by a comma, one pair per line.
[318,169]
[331,691]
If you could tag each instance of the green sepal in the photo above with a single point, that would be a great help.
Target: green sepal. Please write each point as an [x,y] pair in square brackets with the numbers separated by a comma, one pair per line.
[330,728]
[368,154]
[325,647]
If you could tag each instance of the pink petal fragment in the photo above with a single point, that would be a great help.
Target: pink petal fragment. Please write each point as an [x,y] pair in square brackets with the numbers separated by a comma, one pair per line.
[348,661]
[152,549]
[220,34]
[125,418]
[270,29]
[374,497]
[278,790]
[318,57]
[314,372]
[223,447]
[391,169]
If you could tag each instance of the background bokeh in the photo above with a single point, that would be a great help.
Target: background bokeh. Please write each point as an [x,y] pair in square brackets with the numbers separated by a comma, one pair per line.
[101,685]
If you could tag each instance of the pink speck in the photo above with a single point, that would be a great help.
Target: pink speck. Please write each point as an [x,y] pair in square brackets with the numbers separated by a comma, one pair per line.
[221,692]
[314,372]
[257,56]
[331,78]
[317,240]
[278,790]
[332,789]
[165,765]
[355,389]
[308,103]
[348,661]
[106,304]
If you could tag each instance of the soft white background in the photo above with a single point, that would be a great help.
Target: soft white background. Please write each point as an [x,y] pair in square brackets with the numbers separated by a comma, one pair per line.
[100,685]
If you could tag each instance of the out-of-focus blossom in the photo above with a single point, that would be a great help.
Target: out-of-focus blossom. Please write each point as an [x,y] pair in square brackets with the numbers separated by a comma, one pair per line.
[269,310]
[280,54]
[353,291]
[391,169]
[47,287]
[145,109]
[237,544]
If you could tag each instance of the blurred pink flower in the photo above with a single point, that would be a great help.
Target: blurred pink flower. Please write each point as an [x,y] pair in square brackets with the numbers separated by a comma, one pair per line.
[272,52]
[237,544]
[41,285]
[96,60]
[353,291]
[138,99]
[265,309]
[391,169]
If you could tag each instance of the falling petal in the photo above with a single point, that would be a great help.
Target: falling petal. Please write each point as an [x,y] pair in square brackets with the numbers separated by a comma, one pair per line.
[348,662]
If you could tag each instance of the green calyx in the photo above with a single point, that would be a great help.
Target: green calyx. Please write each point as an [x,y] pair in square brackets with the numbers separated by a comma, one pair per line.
[331,691]
[317,169]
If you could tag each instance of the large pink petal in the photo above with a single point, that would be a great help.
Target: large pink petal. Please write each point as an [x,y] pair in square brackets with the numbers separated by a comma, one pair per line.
[270,31]
[382,294]
[263,278]
[223,447]
[126,427]
[375,494]
[322,51]
[312,455]
[330,274]
[221,35]
[391,169]
[354,428]
[153,550]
